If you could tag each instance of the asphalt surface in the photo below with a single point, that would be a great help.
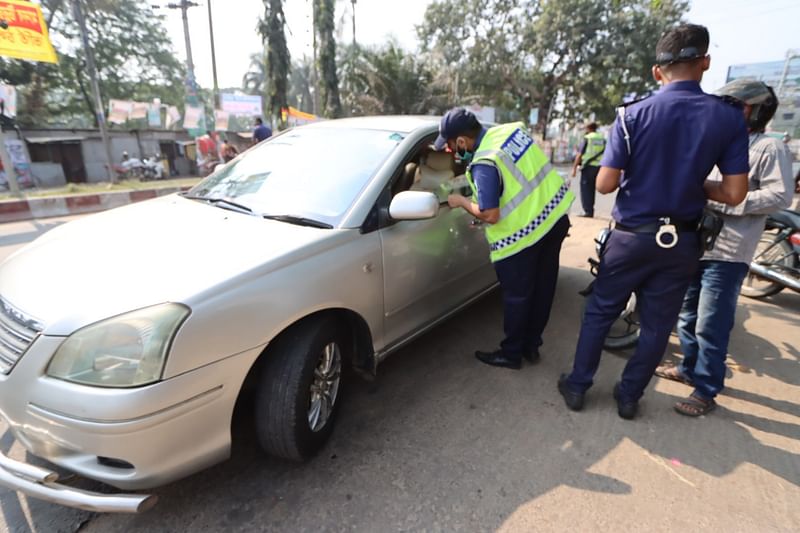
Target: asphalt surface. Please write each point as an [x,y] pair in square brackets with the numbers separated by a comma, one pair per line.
[441,442]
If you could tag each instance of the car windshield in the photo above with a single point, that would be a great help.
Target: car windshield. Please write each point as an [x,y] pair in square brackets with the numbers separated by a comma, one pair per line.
[316,173]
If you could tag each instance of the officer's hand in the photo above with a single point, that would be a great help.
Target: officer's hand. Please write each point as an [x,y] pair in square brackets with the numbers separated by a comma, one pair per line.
[455,200]
[572,174]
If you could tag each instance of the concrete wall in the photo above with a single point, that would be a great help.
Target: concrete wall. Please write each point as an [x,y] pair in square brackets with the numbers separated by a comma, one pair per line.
[93,152]
[48,174]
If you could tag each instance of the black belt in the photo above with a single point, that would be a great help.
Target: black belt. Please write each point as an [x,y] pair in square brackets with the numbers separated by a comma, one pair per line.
[653,227]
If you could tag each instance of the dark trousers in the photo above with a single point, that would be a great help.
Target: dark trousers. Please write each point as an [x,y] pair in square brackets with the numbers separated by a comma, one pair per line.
[528,282]
[705,324]
[633,262]
[588,184]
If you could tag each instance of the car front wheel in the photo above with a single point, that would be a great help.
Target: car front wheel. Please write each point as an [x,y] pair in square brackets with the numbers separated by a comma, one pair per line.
[299,391]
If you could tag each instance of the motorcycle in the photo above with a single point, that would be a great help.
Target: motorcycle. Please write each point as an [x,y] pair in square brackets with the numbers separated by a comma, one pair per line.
[131,168]
[776,264]
[624,332]
[152,169]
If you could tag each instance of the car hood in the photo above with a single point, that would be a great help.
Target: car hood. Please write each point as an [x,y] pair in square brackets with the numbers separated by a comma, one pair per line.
[164,250]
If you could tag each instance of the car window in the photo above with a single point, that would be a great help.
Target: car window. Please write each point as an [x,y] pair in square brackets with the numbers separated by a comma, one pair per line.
[312,172]
[438,173]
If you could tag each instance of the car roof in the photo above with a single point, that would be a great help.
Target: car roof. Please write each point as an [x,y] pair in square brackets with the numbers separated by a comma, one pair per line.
[398,123]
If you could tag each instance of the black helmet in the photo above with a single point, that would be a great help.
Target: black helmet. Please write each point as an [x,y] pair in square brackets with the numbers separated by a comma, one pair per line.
[756,94]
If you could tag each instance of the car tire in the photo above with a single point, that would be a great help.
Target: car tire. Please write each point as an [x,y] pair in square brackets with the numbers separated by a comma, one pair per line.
[295,384]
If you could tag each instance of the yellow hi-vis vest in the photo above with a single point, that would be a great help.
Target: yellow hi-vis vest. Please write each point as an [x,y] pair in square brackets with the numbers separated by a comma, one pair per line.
[595,146]
[534,196]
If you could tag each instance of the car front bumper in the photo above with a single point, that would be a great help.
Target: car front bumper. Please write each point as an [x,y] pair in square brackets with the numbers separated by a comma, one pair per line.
[129,438]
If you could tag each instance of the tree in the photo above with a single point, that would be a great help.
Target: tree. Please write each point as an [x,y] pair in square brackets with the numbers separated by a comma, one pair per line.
[135,61]
[388,80]
[324,29]
[584,55]
[271,29]
[255,79]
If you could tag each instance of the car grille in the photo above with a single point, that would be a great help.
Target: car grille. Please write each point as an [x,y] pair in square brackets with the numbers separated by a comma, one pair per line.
[17,332]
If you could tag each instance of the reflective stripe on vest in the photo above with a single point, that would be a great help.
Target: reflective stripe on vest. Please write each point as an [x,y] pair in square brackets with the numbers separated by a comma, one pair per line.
[528,207]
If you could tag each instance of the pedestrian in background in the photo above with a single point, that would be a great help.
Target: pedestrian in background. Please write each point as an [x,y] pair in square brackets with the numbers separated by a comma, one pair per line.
[709,307]
[229,151]
[588,160]
[261,132]
[666,145]
[524,202]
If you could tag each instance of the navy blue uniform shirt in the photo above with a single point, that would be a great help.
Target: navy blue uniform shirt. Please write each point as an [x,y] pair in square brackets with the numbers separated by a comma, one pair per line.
[261,133]
[677,136]
[487,181]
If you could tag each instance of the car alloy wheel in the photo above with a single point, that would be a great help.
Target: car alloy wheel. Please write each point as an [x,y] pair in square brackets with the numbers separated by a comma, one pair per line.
[325,386]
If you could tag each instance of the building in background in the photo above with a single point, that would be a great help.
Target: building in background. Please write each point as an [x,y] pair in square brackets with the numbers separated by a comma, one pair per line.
[787,85]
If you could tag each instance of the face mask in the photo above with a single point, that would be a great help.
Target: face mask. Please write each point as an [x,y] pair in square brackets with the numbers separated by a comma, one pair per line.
[463,156]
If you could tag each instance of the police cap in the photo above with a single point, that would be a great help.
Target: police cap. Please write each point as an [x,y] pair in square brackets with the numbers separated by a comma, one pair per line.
[457,121]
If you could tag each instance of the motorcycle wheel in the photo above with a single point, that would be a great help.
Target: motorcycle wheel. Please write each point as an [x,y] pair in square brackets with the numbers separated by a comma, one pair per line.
[624,332]
[781,255]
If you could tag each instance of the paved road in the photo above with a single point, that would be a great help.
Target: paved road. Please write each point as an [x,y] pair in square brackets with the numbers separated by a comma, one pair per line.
[443,443]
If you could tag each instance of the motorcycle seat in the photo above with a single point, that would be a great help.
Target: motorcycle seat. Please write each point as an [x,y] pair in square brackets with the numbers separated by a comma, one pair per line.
[787,218]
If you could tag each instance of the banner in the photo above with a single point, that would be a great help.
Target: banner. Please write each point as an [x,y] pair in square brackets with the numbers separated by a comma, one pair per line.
[16,152]
[139,110]
[295,117]
[154,116]
[193,116]
[173,116]
[242,104]
[221,120]
[8,97]
[119,111]
[26,36]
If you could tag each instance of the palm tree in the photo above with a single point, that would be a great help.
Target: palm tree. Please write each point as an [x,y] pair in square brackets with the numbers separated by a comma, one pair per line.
[272,30]
[324,29]
[255,78]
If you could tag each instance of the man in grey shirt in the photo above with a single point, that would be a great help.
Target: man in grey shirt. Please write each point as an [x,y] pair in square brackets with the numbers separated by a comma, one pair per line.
[709,307]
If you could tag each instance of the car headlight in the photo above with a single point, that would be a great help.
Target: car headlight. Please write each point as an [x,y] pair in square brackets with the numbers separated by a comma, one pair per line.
[128,350]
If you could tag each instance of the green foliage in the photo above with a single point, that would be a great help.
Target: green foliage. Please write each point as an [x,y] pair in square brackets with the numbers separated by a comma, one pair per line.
[134,57]
[271,29]
[324,28]
[567,58]
[388,80]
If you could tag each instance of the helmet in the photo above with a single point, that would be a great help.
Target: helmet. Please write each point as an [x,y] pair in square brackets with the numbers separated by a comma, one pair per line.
[756,94]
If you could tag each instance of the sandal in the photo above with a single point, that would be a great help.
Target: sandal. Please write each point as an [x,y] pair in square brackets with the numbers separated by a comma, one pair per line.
[695,406]
[672,373]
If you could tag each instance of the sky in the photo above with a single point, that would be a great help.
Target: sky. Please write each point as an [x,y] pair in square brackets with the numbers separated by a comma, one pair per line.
[742,31]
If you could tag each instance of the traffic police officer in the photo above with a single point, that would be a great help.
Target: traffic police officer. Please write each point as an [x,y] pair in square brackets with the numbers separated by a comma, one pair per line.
[666,145]
[588,159]
[524,201]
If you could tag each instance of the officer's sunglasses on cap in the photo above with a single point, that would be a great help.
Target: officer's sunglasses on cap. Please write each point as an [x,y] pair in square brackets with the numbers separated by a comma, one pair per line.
[686,54]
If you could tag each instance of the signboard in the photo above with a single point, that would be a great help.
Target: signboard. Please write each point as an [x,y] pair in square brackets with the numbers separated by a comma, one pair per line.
[26,36]
[173,116]
[242,104]
[8,96]
[119,110]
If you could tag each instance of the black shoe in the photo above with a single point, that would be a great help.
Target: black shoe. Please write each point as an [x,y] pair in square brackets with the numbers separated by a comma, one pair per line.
[586,215]
[574,400]
[497,358]
[625,409]
[531,357]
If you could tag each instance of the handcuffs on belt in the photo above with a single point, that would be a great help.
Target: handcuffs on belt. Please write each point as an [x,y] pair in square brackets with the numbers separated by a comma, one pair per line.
[666,229]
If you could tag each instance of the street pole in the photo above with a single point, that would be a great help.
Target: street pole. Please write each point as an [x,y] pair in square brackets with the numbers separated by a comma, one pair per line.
[8,166]
[354,22]
[213,57]
[98,101]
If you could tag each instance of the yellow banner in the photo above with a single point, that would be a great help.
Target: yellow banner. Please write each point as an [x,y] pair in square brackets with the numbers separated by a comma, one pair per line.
[26,34]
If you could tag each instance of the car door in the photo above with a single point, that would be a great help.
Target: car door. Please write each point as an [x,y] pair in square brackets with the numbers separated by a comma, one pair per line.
[432,266]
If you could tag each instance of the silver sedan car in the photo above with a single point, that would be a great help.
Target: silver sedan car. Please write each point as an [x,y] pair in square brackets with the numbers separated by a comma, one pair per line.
[127,337]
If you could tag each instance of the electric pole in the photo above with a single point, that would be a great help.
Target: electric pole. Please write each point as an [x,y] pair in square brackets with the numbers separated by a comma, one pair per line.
[353,2]
[217,103]
[98,101]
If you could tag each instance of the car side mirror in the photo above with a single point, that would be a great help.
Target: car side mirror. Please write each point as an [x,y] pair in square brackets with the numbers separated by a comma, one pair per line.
[414,205]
